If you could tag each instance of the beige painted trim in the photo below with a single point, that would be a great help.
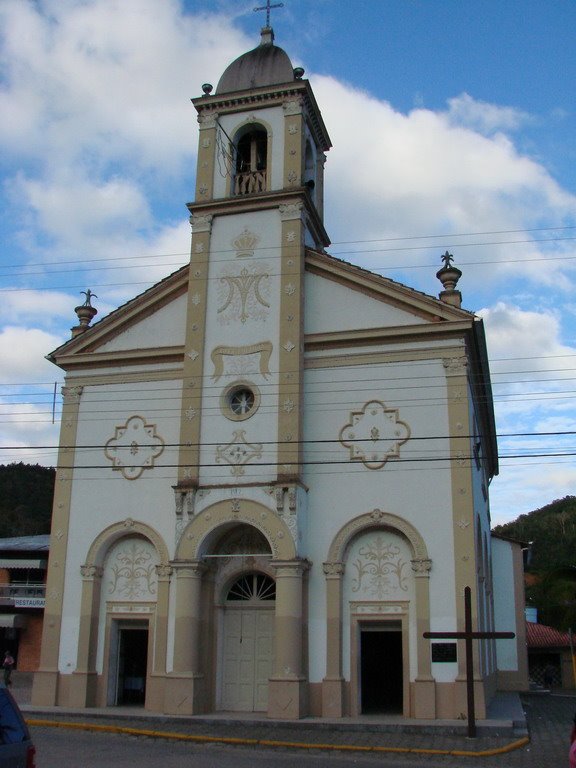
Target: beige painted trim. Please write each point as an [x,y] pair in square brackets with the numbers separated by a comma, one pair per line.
[379,357]
[463,517]
[294,138]
[206,164]
[45,689]
[401,334]
[264,201]
[193,373]
[97,380]
[269,96]
[111,534]
[198,536]
[376,519]
[154,355]
[290,347]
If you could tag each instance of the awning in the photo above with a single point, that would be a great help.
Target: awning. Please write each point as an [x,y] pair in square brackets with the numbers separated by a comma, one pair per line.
[14,562]
[13,620]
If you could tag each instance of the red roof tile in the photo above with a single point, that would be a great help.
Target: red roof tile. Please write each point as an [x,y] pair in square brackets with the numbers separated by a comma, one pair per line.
[541,636]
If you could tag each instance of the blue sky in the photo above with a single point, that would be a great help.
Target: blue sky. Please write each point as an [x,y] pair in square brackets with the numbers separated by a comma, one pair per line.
[454,127]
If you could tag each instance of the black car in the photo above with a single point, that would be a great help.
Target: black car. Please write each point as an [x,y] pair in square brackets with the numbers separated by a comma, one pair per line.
[16,748]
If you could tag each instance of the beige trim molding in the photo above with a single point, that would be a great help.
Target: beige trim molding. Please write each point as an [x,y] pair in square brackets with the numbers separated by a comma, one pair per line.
[128,527]
[200,534]
[375,519]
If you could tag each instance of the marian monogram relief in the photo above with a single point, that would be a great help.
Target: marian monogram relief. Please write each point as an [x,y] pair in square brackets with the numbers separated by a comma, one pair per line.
[244,289]
[130,572]
[374,434]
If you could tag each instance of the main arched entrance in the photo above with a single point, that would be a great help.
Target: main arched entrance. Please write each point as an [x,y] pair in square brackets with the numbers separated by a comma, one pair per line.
[247,649]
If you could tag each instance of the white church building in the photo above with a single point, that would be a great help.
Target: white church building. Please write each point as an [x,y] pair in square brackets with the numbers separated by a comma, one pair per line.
[274,465]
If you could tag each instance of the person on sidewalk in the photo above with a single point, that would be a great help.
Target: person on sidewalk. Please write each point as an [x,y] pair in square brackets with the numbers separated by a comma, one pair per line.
[8,665]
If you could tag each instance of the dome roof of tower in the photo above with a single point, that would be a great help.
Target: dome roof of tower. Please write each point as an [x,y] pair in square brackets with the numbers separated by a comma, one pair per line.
[267,64]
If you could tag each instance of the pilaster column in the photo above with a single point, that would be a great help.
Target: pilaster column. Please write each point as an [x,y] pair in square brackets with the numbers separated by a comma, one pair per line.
[83,684]
[164,573]
[185,692]
[333,683]
[188,613]
[424,684]
[287,692]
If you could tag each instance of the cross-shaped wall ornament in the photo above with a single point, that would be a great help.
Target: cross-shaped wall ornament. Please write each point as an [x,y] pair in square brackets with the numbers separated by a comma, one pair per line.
[468,635]
[267,8]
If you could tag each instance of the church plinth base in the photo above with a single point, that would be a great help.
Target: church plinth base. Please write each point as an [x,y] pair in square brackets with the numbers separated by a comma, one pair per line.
[333,697]
[83,689]
[184,695]
[45,688]
[424,699]
[461,698]
[287,699]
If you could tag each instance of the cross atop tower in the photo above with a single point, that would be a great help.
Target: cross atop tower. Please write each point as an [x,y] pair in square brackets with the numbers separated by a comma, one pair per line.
[267,8]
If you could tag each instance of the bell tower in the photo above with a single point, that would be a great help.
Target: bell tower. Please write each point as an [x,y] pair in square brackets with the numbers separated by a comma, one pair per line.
[258,206]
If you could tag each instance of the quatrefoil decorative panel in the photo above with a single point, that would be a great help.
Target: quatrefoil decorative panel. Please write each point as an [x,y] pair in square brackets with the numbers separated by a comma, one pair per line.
[134,447]
[374,434]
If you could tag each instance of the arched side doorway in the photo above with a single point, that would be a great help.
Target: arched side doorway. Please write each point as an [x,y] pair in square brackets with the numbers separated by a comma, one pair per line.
[377,618]
[123,625]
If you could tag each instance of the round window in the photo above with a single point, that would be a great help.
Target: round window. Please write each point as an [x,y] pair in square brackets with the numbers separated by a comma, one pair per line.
[240,401]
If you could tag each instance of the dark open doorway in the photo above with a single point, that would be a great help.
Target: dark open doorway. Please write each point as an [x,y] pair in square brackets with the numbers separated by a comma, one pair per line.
[381,679]
[132,666]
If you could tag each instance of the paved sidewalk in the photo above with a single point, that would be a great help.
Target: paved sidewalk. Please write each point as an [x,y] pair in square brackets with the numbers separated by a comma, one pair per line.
[501,740]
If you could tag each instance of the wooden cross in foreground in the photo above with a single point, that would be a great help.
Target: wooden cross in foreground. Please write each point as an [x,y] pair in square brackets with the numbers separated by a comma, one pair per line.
[468,635]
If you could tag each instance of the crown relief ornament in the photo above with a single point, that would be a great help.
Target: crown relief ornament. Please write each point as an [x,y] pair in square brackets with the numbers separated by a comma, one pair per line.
[245,244]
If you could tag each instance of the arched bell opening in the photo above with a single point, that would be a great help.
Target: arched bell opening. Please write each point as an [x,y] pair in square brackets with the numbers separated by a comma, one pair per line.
[250,160]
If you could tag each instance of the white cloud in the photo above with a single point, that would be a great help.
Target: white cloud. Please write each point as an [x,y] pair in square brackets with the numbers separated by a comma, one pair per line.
[76,211]
[22,352]
[481,116]
[110,79]
[405,175]
[22,307]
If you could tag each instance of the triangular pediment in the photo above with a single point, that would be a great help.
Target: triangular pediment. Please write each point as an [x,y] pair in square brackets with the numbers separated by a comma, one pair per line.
[150,325]
[342,297]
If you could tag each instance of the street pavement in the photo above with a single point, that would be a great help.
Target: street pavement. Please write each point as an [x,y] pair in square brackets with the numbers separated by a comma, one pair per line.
[530,731]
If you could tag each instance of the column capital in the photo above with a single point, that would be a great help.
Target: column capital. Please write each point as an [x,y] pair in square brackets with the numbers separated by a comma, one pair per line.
[164,571]
[290,567]
[333,569]
[421,567]
[189,568]
[91,571]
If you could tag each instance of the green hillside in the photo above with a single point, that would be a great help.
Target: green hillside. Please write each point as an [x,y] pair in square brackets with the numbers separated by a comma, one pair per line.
[26,492]
[551,565]
[552,531]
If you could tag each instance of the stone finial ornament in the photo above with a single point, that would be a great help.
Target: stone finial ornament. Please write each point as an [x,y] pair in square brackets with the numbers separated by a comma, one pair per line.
[85,313]
[449,276]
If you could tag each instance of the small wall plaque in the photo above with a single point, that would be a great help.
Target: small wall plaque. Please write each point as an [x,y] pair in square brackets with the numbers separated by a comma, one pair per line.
[444,652]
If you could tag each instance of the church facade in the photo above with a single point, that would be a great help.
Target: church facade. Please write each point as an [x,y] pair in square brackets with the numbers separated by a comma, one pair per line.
[274,465]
